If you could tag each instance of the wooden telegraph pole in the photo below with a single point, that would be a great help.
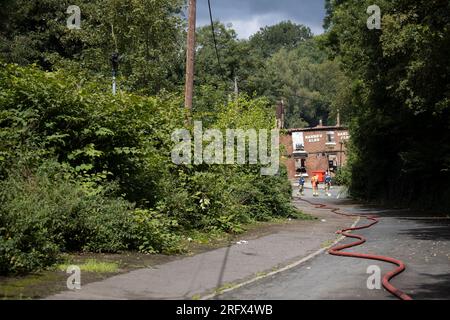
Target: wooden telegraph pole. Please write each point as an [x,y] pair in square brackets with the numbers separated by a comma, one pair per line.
[190,59]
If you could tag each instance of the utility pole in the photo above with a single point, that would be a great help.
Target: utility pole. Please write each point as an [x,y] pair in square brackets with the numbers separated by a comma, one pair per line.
[190,59]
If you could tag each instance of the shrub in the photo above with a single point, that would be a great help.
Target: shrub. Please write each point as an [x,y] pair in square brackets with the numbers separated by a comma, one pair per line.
[43,213]
[124,138]
[152,232]
[202,200]
[343,177]
[225,197]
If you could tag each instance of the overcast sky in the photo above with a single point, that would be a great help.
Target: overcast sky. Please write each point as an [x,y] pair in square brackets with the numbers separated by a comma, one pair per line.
[247,16]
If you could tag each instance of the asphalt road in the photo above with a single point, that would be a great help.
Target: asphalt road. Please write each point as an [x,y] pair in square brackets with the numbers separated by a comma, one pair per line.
[423,243]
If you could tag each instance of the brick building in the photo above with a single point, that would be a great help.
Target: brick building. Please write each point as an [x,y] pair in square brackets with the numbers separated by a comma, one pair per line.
[314,149]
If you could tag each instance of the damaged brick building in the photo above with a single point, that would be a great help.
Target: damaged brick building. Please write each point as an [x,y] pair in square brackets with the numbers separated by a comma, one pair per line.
[313,150]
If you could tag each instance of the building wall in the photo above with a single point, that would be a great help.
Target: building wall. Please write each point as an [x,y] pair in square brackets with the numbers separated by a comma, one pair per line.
[320,149]
[287,158]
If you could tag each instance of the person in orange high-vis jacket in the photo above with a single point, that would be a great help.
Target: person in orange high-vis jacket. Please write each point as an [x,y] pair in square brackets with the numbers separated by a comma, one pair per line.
[315,185]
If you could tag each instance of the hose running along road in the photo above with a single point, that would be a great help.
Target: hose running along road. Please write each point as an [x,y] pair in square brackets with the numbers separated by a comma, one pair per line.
[337,251]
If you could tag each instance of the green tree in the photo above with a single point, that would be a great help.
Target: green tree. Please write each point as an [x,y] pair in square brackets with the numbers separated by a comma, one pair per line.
[309,83]
[147,34]
[285,34]
[400,89]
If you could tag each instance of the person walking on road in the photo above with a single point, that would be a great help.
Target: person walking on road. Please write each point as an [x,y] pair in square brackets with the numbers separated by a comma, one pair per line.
[301,185]
[328,180]
[315,185]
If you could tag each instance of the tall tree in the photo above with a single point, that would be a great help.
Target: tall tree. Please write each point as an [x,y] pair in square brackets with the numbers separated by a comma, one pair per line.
[308,82]
[147,34]
[400,97]
[285,34]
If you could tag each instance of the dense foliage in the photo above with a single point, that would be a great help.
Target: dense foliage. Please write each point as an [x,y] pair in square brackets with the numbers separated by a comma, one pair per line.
[400,98]
[280,62]
[312,86]
[46,210]
[147,34]
[85,170]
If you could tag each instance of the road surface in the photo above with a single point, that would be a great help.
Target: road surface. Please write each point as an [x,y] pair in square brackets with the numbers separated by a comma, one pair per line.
[423,243]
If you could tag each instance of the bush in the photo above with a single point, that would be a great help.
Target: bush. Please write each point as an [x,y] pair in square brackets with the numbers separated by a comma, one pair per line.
[225,197]
[152,232]
[123,138]
[43,213]
[203,200]
[343,177]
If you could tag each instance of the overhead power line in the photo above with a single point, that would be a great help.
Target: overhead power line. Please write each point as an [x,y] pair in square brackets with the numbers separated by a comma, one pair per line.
[215,41]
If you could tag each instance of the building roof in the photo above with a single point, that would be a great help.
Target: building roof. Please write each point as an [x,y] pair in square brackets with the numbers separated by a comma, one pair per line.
[318,128]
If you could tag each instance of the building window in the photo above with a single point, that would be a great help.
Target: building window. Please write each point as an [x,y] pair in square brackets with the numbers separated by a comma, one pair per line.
[300,166]
[331,138]
[332,163]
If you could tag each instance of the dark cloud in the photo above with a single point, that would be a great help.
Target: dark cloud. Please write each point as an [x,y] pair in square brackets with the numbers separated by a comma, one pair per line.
[247,16]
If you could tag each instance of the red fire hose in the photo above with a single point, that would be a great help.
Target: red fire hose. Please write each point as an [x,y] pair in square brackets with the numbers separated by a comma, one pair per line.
[337,251]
